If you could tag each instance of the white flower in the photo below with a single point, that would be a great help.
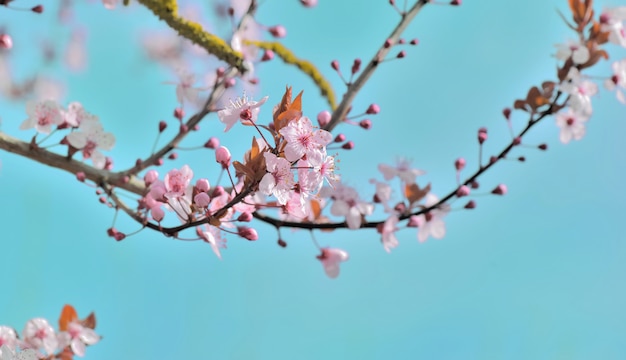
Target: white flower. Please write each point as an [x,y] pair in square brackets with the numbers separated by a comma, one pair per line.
[347,203]
[77,336]
[431,223]
[41,116]
[577,51]
[89,138]
[39,334]
[580,92]
[401,170]
[618,80]
[572,125]
[302,140]
[279,179]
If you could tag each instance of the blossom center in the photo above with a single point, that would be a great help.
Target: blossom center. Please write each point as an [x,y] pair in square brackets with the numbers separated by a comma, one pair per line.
[246,114]
[570,121]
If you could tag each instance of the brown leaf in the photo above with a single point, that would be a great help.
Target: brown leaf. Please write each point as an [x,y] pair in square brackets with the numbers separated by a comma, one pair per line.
[520,105]
[284,103]
[414,194]
[89,321]
[293,112]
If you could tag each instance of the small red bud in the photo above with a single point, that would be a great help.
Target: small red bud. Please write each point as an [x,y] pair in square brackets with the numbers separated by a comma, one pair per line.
[267,55]
[373,109]
[521,159]
[517,141]
[5,41]
[401,41]
[356,66]
[455,2]
[507,113]
[348,146]
[470,205]
[414,41]
[401,54]
[493,159]
[179,113]
[80,176]
[335,65]
[212,143]
[365,124]
[278,31]
[499,190]
[173,156]
[543,146]
[388,43]
[282,243]
[323,118]
[38,9]
[162,125]
[340,138]
[463,190]
[474,184]
[245,217]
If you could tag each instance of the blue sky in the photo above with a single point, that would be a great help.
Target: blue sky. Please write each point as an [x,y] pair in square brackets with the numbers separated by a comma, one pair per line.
[535,274]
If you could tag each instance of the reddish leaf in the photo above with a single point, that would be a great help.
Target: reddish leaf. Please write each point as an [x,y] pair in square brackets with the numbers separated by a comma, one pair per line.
[414,194]
[89,321]
[68,314]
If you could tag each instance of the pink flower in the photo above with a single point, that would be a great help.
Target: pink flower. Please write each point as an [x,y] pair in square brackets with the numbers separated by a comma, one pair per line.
[213,236]
[572,125]
[185,89]
[241,109]
[41,116]
[38,333]
[331,258]
[348,204]
[76,51]
[177,182]
[618,80]
[388,232]
[303,141]
[110,4]
[612,20]
[89,138]
[431,223]
[401,170]
[77,336]
[574,49]
[8,337]
[279,179]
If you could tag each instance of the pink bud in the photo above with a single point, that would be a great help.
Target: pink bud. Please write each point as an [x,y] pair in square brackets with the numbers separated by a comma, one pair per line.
[373,109]
[356,66]
[493,159]
[401,41]
[335,65]
[543,146]
[308,3]
[482,135]
[37,8]
[365,124]
[162,125]
[102,200]
[470,204]
[119,236]
[459,164]
[203,185]
[463,190]
[80,176]
[401,54]
[267,55]
[247,233]
[212,143]
[475,185]
[173,156]
[222,156]
[415,221]
[150,177]
[414,41]
[108,163]
[278,31]
[230,83]
[521,159]
[5,41]
[517,141]
[220,71]
[340,138]
[388,43]
[323,118]
[202,199]
[499,190]
[158,162]
[507,113]
[183,128]
[157,213]
[245,216]
[282,243]
[348,146]
[455,2]
[179,113]
[111,231]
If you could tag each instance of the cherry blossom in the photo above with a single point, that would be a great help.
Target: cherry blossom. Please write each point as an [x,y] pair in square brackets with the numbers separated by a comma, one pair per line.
[110,4]
[7,353]
[178,191]
[388,232]
[572,125]
[76,337]
[241,109]
[612,20]
[41,116]
[39,334]
[331,258]
[347,203]
[574,49]
[401,170]
[213,236]
[580,92]
[302,141]
[431,223]
[311,178]
[8,337]
[185,89]
[279,179]
[618,80]
[89,138]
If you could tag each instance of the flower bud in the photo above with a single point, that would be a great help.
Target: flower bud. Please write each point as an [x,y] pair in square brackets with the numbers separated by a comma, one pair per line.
[499,190]
[373,109]
[212,143]
[222,156]
[5,41]
[459,164]
[203,185]
[202,199]
[323,118]
[463,190]
[150,177]
[247,233]
[278,31]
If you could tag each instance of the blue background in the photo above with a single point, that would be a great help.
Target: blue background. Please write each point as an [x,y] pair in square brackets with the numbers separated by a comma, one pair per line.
[537,274]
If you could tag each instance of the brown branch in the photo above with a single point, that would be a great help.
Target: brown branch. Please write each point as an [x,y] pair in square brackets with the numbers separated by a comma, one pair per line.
[342,110]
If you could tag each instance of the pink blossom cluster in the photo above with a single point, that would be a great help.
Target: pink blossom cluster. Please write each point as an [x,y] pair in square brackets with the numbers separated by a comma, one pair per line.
[39,340]
[86,132]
